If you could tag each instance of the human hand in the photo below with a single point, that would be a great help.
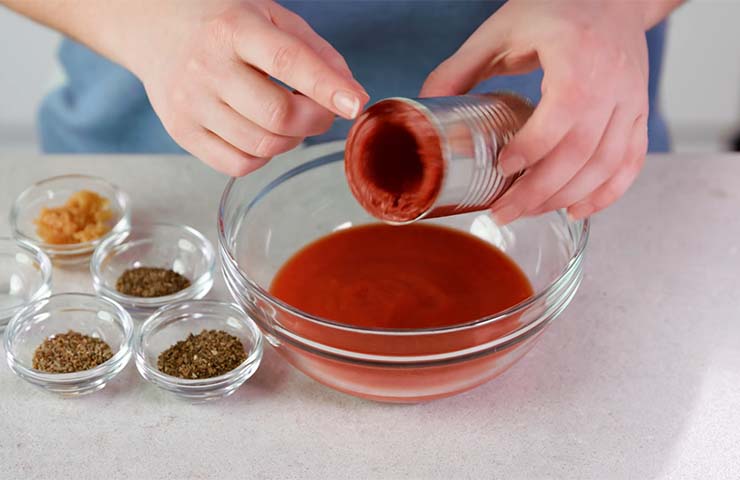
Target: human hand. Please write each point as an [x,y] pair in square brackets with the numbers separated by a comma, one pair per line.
[206,69]
[586,141]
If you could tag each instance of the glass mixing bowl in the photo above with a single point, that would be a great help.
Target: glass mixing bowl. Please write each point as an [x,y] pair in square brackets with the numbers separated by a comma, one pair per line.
[266,217]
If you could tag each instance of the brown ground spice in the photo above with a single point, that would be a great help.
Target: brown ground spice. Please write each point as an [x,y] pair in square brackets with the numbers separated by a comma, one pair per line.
[70,352]
[208,354]
[151,282]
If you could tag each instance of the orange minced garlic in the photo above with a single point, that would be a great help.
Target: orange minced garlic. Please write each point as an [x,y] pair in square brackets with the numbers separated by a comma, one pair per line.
[83,218]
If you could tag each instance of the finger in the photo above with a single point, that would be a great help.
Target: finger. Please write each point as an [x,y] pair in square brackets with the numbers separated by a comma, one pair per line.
[469,64]
[617,185]
[288,59]
[543,180]
[566,93]
[294,24]
[269,105]
[545,129]
[214,151]
[603,164]
[248,137]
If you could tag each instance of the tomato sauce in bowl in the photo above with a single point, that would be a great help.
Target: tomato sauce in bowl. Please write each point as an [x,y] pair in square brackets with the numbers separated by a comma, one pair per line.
[399,278]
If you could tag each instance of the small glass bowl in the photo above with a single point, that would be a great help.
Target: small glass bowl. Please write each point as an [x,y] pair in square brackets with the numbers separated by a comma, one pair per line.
[175,322]
[177,247]
[54,192]
[25,276]
[87,314]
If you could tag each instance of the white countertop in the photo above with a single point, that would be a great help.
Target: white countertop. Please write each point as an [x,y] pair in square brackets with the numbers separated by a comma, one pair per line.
[640,377]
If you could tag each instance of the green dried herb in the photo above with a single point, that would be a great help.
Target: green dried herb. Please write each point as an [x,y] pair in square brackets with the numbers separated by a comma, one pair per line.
[70,352]
[208,354]
[151,282]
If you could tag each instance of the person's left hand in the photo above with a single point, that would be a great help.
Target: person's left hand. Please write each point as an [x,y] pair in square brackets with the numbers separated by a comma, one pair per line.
[586,141]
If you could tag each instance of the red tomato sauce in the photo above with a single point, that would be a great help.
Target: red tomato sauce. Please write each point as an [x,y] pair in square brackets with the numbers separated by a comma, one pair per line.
[418,276]
[414,276]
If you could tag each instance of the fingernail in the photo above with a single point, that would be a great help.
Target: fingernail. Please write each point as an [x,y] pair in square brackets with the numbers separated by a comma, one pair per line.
[579,211]
[510,164]
[505,215]
[346,103]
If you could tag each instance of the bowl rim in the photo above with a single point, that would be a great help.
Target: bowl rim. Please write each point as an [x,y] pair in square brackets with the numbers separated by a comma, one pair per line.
[119,238]
[227,256]
[153,375]
[122,198]
[45,269]
[118,360]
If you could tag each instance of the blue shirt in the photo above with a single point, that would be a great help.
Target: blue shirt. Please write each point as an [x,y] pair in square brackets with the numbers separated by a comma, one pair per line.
[391,46]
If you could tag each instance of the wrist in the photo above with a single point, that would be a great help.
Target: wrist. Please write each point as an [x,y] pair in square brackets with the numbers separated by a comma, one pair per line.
[636,14]
[140,37]
[646,13]
[144,35]
[656,11]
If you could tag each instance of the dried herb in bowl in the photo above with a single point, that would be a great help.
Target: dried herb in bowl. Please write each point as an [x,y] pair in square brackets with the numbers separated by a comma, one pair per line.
[70,352]
[208,354]
[151,282]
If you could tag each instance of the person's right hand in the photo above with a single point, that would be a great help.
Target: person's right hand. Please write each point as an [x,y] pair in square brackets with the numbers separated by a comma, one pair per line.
[206,67]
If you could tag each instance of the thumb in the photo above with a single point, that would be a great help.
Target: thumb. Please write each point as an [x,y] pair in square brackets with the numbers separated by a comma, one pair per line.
[470,64]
